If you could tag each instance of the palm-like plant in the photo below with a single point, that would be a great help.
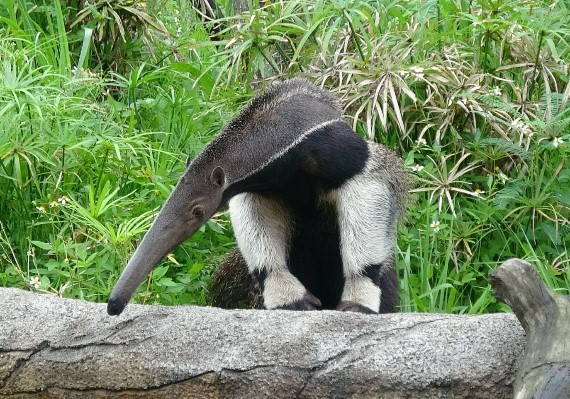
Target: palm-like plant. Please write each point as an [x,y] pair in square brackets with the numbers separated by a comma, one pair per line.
[379,97]
[446,182]
[117,25]
[537,199]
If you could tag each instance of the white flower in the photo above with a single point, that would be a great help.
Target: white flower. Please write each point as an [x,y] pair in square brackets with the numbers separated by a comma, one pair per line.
[421,142]
[417,168]
[503,177]
[63,200]
[477,192]
[35,282]
[435,226]
[41,209]
[518,123]
[557,142]
[497,91]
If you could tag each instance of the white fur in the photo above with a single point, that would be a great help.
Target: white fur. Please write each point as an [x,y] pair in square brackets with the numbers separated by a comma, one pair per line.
[366,230]
[365,220]
[282,288]
[262,229]
[362,290]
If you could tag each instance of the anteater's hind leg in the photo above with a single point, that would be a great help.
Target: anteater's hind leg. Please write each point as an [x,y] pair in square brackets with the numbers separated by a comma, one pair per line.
[367,225]
[263,231]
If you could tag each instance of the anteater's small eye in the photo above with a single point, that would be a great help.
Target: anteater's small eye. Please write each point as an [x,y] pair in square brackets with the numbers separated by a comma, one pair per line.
[197,212]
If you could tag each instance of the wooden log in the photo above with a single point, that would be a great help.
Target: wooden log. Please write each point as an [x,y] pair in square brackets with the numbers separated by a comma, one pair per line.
[545,317]
[63,348]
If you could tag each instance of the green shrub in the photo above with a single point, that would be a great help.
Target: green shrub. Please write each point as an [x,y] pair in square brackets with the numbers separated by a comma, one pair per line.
[97,122]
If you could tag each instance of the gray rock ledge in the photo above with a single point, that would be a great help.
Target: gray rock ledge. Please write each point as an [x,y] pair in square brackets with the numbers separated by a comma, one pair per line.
[62,348]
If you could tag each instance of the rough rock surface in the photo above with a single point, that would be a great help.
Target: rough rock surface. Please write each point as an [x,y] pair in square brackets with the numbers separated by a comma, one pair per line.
[61,348]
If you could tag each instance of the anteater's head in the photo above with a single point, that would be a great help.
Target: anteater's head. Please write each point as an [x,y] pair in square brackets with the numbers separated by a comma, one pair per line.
[255,135]
[195,199]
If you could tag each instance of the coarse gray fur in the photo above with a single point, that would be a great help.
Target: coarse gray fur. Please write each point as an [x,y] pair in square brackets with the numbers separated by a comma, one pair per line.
[267,127]
[288,117]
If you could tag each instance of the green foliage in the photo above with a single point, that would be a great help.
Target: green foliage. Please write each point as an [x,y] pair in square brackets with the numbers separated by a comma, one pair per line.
[118,26]
[100,106]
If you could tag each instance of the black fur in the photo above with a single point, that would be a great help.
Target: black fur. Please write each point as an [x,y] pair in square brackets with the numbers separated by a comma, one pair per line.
[306,170]
[388,282]
[260,275]
[291,145]
[385,276]
[299,179]
[309,302]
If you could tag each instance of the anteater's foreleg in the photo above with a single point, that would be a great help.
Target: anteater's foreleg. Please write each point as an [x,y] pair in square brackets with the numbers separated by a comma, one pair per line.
[263,231]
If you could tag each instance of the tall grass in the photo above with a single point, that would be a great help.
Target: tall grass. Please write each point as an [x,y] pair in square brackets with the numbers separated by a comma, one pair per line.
[84,168]
[96,127]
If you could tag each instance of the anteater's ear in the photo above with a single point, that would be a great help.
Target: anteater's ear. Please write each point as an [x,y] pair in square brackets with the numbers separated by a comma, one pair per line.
[218,176]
